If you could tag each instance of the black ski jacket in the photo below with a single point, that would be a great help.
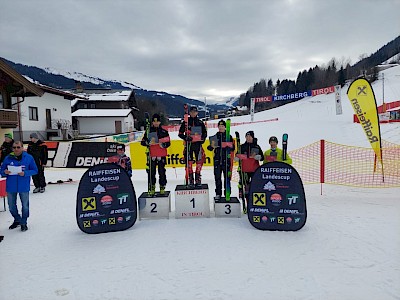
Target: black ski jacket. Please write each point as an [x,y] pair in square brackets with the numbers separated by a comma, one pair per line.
[193,122]
[39,152]
[219,152]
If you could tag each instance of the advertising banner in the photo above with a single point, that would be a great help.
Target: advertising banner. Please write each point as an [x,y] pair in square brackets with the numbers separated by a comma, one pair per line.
[276,199]
[106,200]
[174,158]
[362,99]
[87,154]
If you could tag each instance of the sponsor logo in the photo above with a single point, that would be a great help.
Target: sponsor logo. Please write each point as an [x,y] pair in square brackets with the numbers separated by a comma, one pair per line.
[288,211]
[106,200]
[259,199]
[272,219]
[296,220]
[88,203]
[276,199]
[269,186]
[289,220]
[292,198]
[281,220]
[95,222]
[111,221]
[256,219]
[120,219]
[99,189]
[90,161]
[86,224]
[127,218]
[103,221]
[120,211]
[264,219]
[90,215]
[122,198]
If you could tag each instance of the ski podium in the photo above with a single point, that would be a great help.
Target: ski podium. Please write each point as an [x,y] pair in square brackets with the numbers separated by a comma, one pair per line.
[152,204]
[223,148]
[192,198]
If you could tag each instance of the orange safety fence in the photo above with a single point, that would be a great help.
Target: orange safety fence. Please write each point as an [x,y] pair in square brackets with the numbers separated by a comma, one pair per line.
[327,162]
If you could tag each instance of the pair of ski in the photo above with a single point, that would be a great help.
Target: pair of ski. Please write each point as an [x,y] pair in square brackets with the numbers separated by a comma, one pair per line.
[242,175]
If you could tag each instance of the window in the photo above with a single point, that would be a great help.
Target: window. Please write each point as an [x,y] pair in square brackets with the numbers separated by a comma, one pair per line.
[33,113]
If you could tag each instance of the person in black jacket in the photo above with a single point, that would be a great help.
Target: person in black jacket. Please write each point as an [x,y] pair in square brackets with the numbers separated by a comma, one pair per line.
[221,163]
[251,155]
[38,150]
[158,141]
[195,137]
[6,147]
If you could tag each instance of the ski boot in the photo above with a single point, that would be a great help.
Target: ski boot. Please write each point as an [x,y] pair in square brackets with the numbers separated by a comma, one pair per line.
[191,180]
[152,191]
[198,179]
[162,189]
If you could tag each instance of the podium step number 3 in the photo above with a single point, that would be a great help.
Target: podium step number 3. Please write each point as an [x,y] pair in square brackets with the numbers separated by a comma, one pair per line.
[228,209]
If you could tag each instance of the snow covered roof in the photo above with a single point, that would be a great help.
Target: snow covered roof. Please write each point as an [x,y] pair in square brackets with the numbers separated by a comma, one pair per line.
[116,96]
[101,112]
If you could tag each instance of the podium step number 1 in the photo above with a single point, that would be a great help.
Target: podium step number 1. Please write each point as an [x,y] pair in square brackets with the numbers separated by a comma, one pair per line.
[192,202]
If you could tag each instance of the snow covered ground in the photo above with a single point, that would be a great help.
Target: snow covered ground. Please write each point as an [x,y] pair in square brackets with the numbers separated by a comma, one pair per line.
[348,249]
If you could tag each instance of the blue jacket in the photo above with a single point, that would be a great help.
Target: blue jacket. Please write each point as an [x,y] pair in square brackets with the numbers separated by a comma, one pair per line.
[16,183]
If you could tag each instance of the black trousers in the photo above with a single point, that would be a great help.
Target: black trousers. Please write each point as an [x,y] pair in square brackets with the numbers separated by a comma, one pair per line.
[218,170]
[39,180]
[161,171]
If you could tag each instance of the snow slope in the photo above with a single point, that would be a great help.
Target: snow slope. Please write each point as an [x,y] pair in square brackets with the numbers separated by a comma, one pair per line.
[348,249]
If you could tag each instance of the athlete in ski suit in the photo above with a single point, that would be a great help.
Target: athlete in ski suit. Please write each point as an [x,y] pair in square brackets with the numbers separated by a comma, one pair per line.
[196,151]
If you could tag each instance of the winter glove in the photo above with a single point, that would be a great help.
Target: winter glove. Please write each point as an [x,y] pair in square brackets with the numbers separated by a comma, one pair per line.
[236,159]
[153,158]
[257,157]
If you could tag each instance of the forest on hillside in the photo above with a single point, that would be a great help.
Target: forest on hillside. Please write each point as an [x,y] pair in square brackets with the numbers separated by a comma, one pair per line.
[334,73]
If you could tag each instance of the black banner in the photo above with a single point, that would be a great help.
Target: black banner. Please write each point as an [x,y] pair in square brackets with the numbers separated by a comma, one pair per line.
[87,154]
[277,200]
[106,200]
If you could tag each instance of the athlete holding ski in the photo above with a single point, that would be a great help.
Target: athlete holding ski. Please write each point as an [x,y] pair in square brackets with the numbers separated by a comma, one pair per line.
[222,164]
[275,153]
[157,140]
[249,156]
[194,133]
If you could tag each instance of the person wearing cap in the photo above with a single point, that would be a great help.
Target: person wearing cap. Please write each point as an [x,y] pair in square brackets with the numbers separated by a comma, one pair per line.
[123,160]
[158,141]
[6,147]
[38,150]
[221,162]
[195,149]
[18,167]
[275,153]
[251,155]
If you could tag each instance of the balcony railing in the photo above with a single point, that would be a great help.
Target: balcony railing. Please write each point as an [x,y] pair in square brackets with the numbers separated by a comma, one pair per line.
[8,118]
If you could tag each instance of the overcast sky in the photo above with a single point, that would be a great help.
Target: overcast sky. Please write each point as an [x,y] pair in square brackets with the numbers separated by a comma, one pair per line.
[196,48]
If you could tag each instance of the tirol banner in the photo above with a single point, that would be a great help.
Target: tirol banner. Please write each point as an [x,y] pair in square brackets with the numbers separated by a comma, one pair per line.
[106,200]
[276,199]
[362,99]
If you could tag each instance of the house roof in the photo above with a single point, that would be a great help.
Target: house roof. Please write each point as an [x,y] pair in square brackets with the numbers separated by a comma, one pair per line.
[116,96]
[27,86]
[101,113]
[54,91]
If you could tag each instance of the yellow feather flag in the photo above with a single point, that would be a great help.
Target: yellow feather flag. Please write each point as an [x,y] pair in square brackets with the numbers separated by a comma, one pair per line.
[362,98]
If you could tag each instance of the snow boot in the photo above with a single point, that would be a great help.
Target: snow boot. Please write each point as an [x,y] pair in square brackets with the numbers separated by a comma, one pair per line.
[152,191]
[198,179]
[15,224]
[36,190]
[162,189]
